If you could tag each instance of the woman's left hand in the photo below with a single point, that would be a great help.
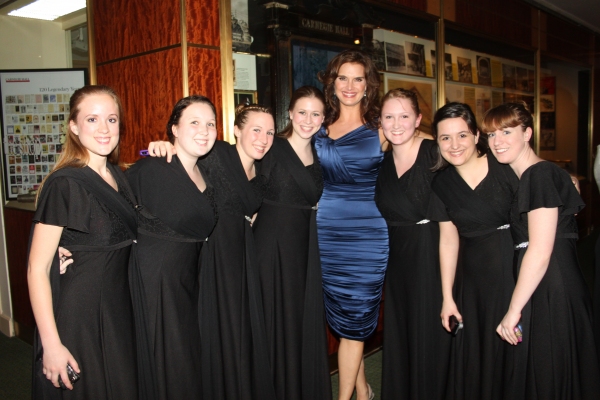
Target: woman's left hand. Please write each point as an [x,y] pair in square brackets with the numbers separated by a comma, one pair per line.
[506,329]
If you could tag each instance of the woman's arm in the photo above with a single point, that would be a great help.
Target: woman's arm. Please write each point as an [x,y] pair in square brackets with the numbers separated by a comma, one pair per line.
[449,245]
[43,250]
[542,231]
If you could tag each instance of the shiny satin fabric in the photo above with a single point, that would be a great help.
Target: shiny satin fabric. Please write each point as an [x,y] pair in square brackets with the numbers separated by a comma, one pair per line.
[353,237]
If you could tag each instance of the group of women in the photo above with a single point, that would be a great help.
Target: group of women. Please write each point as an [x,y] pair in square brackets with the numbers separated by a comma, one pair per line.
[211,275]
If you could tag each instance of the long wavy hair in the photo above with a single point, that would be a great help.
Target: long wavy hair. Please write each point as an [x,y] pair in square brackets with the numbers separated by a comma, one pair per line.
[369,104]
[300,93]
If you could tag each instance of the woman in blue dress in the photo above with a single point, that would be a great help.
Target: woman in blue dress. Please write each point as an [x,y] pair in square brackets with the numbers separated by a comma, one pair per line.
[353,237]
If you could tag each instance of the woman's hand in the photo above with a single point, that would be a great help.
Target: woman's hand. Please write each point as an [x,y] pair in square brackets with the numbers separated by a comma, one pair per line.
[64,257]
[161,149]
[506,329]
[448,309]
[54,364]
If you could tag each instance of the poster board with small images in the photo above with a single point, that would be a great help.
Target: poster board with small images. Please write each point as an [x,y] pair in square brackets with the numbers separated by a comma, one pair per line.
[35,111]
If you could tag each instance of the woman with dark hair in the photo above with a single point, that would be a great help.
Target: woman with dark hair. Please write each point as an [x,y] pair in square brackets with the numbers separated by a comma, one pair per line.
[353,238]
[177,216]
[84,317]
[550,307]
[416,348]
[475,253]
[288,255]
[234,359]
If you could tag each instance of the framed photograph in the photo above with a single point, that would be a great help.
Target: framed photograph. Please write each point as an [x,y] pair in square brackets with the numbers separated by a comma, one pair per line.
[245,97]
[465,71]
[41,96]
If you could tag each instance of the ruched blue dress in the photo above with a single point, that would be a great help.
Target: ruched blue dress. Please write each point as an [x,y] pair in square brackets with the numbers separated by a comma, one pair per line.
[353,236]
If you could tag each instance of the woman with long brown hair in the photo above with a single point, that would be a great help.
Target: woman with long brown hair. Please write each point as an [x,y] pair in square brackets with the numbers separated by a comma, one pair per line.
[84,317]
[353,238]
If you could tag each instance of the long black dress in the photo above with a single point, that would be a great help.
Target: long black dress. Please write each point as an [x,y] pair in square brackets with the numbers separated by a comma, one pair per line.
[290,274]
[484,278]
[416,348]
[92,303]
[561,362]
[175,222]
[235,364]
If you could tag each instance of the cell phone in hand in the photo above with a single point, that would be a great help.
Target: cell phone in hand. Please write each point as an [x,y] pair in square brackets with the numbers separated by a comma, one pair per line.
[73,377]
[519,333]
[455,326]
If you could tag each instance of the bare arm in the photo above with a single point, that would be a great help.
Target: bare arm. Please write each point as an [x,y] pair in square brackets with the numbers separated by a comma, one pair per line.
[449,245]
[43,250]
[161,149]
[542,231]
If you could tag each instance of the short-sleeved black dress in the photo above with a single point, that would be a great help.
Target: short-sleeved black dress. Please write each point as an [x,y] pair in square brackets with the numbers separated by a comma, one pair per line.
[416,348]
[92,302]
[175,221]
[561,359]
[290,274]
[484,278]
[235,363]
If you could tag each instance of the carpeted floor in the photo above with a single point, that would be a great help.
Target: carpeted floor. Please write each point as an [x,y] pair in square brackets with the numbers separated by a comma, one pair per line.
[15,355]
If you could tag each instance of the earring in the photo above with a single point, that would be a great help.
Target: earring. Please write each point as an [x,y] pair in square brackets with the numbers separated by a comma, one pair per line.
[365,95]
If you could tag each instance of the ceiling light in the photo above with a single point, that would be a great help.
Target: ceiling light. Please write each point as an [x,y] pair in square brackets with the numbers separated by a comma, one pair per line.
[48,9]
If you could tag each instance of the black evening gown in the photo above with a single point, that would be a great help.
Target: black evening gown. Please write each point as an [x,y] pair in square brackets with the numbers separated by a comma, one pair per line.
[561,361]
[416,348]
[235,363]
[175,221]
[290,274]
[484,278]
[92,302]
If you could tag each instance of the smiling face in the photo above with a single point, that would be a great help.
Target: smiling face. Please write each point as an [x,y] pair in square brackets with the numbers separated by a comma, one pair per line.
[509,144]
[196,131]
[457,143]
[97,125]
[307,117]
[399,120]
[350,85]
[255,138]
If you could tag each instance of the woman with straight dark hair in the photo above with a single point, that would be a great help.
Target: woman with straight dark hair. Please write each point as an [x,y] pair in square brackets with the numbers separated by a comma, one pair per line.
[550,313]
[353,238]
[416,349]
[289,267]
[84,317]
[475,253]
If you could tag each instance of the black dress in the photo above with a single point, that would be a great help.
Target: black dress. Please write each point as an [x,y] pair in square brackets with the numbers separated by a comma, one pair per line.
[416,348]
[484,278]
[235,364]
[561,362]
[175,222]
[91,301]
[290,274]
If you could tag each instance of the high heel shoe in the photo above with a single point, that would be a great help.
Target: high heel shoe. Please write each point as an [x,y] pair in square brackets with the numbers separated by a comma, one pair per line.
[371,392]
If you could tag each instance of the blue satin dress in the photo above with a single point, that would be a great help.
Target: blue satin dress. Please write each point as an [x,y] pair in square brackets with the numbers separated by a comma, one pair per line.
[353,236]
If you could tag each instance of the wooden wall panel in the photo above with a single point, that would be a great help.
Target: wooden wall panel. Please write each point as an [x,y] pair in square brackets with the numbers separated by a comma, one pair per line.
[568,40]
[420,5]
[204,75]
[202,18]
[17,224]
[148,87]
[508,20]
[125,28]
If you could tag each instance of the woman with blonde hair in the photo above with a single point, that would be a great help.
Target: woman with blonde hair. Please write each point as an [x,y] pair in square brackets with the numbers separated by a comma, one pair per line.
[84,317]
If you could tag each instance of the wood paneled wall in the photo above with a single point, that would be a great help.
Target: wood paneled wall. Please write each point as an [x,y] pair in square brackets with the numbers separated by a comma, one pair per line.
[143,61]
